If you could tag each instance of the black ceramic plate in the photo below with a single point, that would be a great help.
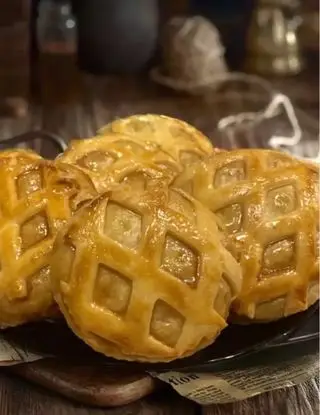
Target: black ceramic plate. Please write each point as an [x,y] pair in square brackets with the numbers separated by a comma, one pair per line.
[54,339]
[47,144]
[239,342]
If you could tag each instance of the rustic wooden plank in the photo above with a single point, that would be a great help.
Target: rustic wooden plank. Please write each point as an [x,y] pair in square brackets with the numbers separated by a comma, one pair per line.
[302,399]
[90,384]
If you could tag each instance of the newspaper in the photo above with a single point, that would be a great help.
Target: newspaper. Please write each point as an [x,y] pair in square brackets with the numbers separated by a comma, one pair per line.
[236,385]
[11,354]
[210,388]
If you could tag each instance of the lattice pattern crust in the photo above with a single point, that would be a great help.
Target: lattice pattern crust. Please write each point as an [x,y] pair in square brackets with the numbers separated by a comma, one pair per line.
[268,204]
[110,159]
[35,201]
[185,143]
[158,283]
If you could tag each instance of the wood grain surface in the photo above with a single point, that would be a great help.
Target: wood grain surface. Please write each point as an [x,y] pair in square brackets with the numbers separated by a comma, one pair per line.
[18,397]
[90,384]
[75,105]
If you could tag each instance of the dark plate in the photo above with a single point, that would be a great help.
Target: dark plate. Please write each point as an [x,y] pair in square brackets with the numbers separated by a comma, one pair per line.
[239,341]
[54,339]
[47,144]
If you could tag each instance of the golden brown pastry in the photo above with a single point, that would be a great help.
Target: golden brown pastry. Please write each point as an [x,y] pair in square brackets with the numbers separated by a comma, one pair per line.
[19,155]
[183,142]
[268,204]
[110,159]
[145,275]
[36,199]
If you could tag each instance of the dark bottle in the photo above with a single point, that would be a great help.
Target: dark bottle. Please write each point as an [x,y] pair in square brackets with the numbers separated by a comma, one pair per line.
[57,72]
[116,36]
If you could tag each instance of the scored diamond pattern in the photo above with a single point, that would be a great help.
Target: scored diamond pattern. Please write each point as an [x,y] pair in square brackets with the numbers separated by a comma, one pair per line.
[112,290]
[123,226]
[281,201]
[180,260]
[28,183]
[279,256]
[34,230]
[140,126]
[231,217]
[166,324]
[96,161]
[137,181]
[231,173]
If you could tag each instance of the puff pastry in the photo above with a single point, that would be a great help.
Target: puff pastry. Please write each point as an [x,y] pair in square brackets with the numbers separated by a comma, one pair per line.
[36,199]
[268,206]
[145,274]
[112,158]
[182,141]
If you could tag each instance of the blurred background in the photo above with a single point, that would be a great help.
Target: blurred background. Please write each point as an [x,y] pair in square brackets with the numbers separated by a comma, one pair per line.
[69,67]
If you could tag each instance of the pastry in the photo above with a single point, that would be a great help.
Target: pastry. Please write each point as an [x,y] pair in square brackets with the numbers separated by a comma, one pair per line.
[268,205]
[183,142]
[112,158]
[145,274]
[36,199]
[19,155]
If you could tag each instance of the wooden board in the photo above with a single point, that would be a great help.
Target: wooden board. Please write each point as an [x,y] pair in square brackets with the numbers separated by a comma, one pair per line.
[93,385]
[73,369]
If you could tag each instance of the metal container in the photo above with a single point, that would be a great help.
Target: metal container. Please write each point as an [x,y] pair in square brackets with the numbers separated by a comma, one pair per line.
[273,44]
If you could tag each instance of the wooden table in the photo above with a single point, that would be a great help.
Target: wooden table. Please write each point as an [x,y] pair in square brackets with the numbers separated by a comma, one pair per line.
[75,105]
[20,398]
[72,104]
